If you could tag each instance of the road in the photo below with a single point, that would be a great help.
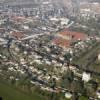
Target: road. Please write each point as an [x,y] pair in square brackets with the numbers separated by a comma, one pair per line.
[33,36]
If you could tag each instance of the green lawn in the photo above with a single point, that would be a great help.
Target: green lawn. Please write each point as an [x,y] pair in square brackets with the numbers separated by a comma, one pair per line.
[9,93]
[83,98]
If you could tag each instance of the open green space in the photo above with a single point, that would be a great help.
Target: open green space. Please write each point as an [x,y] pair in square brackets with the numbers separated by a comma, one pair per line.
[83,98]
[8,92]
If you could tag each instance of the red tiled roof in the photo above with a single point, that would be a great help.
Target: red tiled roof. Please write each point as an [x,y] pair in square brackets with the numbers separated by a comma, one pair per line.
[74,35]
[17,18]
[66,37]
[2,30]
[18,35]
[61,42]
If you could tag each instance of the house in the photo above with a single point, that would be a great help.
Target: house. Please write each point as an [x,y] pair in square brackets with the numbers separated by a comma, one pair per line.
[22,61]
[2,30]
[54,62]
[18,18]
[64,21]
[98,56]
[25,52]
[68,95]
[61,42]
[86,76]
[98,94]
[38,61]
[17,49]
[17,34]
[11,68]
[48,62]
[25,27]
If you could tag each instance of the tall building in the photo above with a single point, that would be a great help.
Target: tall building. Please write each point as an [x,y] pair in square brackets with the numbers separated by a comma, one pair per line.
[75,7]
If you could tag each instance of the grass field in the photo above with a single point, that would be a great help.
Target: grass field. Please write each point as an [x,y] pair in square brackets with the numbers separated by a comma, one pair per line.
[9,93]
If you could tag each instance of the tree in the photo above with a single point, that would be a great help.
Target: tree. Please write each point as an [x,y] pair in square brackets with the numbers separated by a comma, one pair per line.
[69,75]
[67,79]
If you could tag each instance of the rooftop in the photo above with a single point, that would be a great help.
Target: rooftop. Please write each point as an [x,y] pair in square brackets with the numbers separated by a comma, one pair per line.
[74,35]
[17,35]
[65,38]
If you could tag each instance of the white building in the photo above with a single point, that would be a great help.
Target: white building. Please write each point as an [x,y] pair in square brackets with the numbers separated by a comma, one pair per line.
[98,56]
[86,77]
[98,94]
[68,95]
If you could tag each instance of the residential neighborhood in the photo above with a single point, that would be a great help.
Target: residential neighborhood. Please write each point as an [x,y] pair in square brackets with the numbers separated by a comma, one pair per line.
[48,51]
